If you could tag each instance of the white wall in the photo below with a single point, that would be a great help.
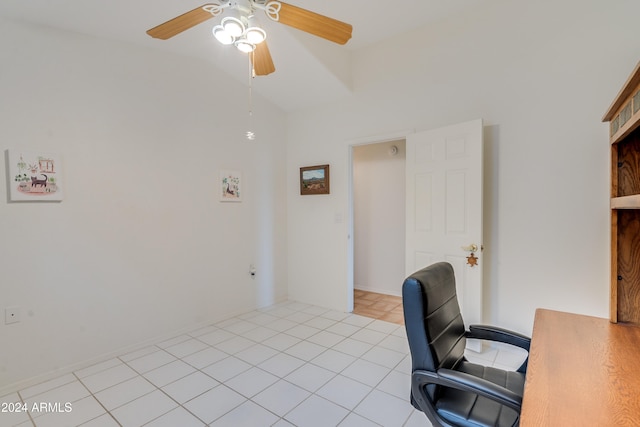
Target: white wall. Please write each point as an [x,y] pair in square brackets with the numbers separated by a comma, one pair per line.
[379,217]
[140,247]
[541,75]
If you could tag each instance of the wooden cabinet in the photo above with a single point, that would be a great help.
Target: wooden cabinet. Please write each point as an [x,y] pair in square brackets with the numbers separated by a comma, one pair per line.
[624,121]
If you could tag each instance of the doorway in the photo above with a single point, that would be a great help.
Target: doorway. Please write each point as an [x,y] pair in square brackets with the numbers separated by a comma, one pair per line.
[378,228]
[444,193]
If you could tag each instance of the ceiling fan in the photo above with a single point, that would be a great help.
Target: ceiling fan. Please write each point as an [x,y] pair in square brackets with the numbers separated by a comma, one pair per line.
[238,26]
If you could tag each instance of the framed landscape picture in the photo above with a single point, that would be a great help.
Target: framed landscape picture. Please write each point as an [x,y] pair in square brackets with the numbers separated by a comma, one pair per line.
[314,180]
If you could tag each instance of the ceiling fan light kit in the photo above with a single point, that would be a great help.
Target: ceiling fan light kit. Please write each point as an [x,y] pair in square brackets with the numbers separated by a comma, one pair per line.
[240,30]
[239,26]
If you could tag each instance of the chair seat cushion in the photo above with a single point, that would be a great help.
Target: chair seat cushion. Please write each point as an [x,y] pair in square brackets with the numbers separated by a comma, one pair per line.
[470,410]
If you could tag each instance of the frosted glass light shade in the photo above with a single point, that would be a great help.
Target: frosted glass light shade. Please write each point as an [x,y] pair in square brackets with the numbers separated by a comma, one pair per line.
[233,26]
[244,46]
[222,36]
[255,35]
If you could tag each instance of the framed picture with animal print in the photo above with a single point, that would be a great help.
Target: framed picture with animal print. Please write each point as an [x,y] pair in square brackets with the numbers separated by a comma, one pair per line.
[230,186]
[34,176]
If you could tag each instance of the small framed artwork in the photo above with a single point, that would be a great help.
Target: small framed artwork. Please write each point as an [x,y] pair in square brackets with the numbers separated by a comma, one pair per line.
[230,186]
[314,180]
[34,176]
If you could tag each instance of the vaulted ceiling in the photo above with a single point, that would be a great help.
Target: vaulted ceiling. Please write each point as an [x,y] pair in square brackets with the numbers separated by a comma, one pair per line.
[309,70]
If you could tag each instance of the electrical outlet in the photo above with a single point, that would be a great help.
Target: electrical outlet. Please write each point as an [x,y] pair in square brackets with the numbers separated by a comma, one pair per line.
[11,315]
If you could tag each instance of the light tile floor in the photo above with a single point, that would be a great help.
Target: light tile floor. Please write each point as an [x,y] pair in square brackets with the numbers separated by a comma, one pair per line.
[288,365]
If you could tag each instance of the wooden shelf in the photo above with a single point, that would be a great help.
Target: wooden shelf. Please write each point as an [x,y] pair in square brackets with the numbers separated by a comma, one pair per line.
[624,137]
[627,128]
[625,93]
[626,202]
[624,113]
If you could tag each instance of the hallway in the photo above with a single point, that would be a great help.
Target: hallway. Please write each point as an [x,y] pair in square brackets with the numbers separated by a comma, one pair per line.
[378,306]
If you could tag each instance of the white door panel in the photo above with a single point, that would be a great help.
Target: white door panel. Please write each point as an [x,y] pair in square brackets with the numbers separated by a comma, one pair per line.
[444,206]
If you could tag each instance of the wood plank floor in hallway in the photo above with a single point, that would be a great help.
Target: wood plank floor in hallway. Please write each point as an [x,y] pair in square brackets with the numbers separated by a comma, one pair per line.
[378,306]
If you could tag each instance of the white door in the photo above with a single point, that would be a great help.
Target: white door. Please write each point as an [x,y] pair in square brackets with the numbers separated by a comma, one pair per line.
[444,207]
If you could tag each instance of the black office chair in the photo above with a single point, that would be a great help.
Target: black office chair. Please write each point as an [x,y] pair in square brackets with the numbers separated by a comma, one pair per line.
[449,389]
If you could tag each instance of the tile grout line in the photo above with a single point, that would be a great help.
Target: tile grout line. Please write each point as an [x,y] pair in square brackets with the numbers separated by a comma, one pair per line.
[22,400]
[97,400]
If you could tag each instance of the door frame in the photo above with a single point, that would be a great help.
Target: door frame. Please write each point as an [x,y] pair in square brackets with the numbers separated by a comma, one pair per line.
[369,140]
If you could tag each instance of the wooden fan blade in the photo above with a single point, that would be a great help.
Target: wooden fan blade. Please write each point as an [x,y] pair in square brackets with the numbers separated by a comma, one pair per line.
[180,23]
[262,62]
[314,23]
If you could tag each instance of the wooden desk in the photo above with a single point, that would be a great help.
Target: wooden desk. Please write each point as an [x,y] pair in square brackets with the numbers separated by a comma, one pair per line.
[583,371]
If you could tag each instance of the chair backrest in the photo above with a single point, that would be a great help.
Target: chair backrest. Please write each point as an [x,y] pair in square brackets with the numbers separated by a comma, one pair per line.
[435,329]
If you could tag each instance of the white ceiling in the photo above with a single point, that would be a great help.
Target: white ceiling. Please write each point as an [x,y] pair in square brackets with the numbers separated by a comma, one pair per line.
[309,70]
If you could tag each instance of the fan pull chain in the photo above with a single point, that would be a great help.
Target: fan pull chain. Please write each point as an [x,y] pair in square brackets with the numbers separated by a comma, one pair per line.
[250,135]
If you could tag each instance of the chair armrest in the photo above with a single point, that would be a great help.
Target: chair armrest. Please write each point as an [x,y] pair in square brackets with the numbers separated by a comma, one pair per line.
[493,333]
[464,382]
